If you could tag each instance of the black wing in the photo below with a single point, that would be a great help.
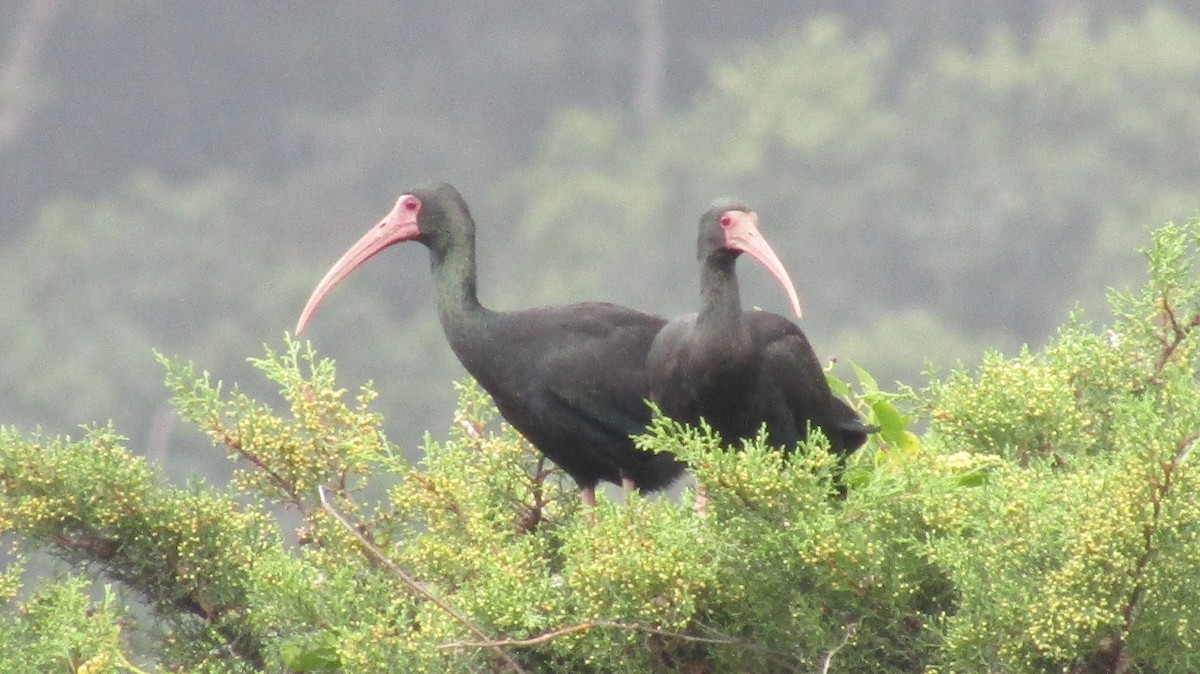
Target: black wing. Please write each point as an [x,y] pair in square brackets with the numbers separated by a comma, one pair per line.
[792,382]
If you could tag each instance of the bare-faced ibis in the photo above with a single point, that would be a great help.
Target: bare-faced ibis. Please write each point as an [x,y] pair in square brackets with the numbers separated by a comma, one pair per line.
[570,378]
[739,370]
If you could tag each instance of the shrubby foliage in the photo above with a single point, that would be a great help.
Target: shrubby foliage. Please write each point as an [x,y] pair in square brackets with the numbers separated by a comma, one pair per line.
[1046,521]
[1081,552]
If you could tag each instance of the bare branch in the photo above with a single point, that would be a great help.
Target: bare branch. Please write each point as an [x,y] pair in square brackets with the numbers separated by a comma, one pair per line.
[609,624]
[1160,488]
[472,429]
[411,583]
[1174,332]
[233,442]
[826,661]
[522,643]
[592,624]
[1184,447]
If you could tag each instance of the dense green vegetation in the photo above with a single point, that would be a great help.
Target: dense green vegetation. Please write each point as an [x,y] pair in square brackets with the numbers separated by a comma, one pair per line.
[1046,521]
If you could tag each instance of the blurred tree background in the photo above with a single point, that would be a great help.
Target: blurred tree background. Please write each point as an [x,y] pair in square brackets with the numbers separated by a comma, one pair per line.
[939,178]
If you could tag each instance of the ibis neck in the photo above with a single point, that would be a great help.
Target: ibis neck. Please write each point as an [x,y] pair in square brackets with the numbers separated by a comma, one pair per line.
[454,283]
[720,299]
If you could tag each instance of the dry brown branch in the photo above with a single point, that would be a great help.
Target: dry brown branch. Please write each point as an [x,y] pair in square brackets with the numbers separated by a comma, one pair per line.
[234,442]
[415,587]
[1160,488]
[1174,332]
[609,624]
[523,643]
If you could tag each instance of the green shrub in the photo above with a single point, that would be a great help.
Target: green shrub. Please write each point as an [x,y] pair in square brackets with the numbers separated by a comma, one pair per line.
[1046,521]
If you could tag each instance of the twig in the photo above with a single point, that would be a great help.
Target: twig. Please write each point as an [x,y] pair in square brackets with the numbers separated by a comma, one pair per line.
[1178,332]
[234,442]
[412,584]
[472,429]
[531,515]
[593,624]
[780,656]
[826,661]
[523,643]
[1184,447]
[1159,492]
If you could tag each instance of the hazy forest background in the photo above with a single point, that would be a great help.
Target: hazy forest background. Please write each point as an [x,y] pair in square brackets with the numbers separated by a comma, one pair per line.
[940,177]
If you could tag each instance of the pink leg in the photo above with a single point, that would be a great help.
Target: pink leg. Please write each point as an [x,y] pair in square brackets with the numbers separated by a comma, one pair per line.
[588,496]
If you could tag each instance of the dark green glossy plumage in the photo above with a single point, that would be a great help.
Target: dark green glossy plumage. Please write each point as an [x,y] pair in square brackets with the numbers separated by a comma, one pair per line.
[571,378]
[739,370]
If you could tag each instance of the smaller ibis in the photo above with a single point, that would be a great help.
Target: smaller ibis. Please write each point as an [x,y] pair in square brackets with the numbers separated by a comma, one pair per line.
[740,370]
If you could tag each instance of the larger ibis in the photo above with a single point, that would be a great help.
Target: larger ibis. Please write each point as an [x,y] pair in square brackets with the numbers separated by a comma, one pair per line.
[570,378]
[740,370]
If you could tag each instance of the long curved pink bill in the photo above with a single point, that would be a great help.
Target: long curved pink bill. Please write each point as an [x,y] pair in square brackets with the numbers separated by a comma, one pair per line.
[744,236]
[398,225]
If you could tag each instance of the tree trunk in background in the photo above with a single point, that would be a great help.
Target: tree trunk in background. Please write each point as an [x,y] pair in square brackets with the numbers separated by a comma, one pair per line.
[17,96]
[651,63]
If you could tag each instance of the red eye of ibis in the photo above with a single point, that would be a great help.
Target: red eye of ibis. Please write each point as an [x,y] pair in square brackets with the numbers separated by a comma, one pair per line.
[412,203]
[726,220]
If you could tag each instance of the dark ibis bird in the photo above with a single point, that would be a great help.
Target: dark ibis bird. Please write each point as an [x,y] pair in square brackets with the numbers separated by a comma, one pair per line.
[740,370]
[570,378]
